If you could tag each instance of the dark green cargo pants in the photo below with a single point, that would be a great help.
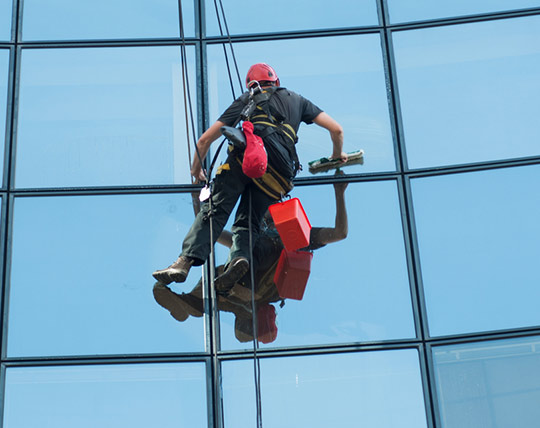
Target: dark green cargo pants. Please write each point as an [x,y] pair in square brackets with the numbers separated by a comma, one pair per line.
[229,185]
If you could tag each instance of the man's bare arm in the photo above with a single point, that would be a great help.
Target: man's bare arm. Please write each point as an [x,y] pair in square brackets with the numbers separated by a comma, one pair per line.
[336,134]
[203,145]
[327,235]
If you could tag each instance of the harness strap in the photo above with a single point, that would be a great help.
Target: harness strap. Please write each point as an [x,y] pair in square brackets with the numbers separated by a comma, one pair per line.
[272,183]
[288,130]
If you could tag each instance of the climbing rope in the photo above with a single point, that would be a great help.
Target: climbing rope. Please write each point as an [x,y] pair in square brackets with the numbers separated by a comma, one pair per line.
[256,361]
[207,172]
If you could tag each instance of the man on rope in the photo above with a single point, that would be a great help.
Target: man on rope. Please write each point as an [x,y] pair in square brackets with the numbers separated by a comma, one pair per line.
[276,118]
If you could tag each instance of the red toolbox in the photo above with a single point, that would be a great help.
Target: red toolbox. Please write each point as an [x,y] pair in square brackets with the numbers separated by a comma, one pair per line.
[291,223]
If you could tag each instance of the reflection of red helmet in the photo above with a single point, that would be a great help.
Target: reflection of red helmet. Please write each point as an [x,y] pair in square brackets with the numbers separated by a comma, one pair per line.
[261,72]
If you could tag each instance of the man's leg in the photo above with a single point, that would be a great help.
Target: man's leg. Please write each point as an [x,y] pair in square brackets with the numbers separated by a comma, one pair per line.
[239,257]
[229,184]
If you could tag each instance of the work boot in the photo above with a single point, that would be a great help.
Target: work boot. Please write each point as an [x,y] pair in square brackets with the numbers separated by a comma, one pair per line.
[170,301]
[236,269]
[177,272]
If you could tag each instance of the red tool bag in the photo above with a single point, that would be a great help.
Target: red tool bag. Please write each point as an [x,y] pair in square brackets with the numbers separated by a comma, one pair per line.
[292,273]
[255,157]
[266,323]
[291,223]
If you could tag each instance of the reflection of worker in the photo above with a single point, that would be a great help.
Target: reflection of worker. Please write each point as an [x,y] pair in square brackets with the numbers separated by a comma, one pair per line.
[276,116]
[237,299]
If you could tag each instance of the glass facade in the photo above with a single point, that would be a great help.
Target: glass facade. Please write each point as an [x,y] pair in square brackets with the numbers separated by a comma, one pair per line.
[420,310]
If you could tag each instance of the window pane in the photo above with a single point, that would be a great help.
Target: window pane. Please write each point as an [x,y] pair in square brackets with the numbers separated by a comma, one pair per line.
[4,73]
[125,395]
[81,279]
[344,76]
[103,19]
[358,288]
[416,10]
[468,93]
[97,117]
[5,19]
[479,240]
[489,384]
[291,16]
[371,389]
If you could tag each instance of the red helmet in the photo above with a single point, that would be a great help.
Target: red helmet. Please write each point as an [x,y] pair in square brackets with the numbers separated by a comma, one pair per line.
[261,72]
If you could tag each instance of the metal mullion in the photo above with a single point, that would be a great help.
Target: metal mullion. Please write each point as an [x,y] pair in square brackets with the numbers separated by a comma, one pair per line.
[484,336]
[293,35]
[10,113]
[428,385]
[417,296]
[104,360]
[16,20]
[428,371]
[349,178]
[181,188]
[322,349]
[413,257]
[2,392]
[7,239]
[394,105]
[44,44]
[474,167]
[212,328]
[465,19]
[414,254]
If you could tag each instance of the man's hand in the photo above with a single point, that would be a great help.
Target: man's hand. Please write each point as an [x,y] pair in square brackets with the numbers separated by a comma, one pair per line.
[340,156]
[198,173]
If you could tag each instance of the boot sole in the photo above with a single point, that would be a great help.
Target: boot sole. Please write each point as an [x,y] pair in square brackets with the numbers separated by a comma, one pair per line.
[233,273]
[166,277]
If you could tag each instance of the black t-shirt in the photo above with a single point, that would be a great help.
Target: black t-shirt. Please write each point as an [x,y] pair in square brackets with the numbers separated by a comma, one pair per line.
[293,109]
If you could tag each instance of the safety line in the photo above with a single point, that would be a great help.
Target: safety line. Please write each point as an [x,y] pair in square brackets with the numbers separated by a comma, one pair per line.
[230,47]
[230,44]
[187,93]
[256,361]
[216,374]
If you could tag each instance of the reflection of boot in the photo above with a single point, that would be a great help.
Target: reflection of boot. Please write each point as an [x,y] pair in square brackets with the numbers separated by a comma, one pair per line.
[194,305]
[236,269]
[170,301]
[177,272]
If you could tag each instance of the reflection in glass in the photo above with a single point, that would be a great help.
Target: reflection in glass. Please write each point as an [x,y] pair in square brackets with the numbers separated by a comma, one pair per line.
[5,19]
[108,116]
[279,273]
[479,241]
[469,93]
[344,76]
[103,19]
[489,384]
[357,288]
[120,395]
[293,16]
[4,69]
[80,276]
[371,389]
[416,10]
